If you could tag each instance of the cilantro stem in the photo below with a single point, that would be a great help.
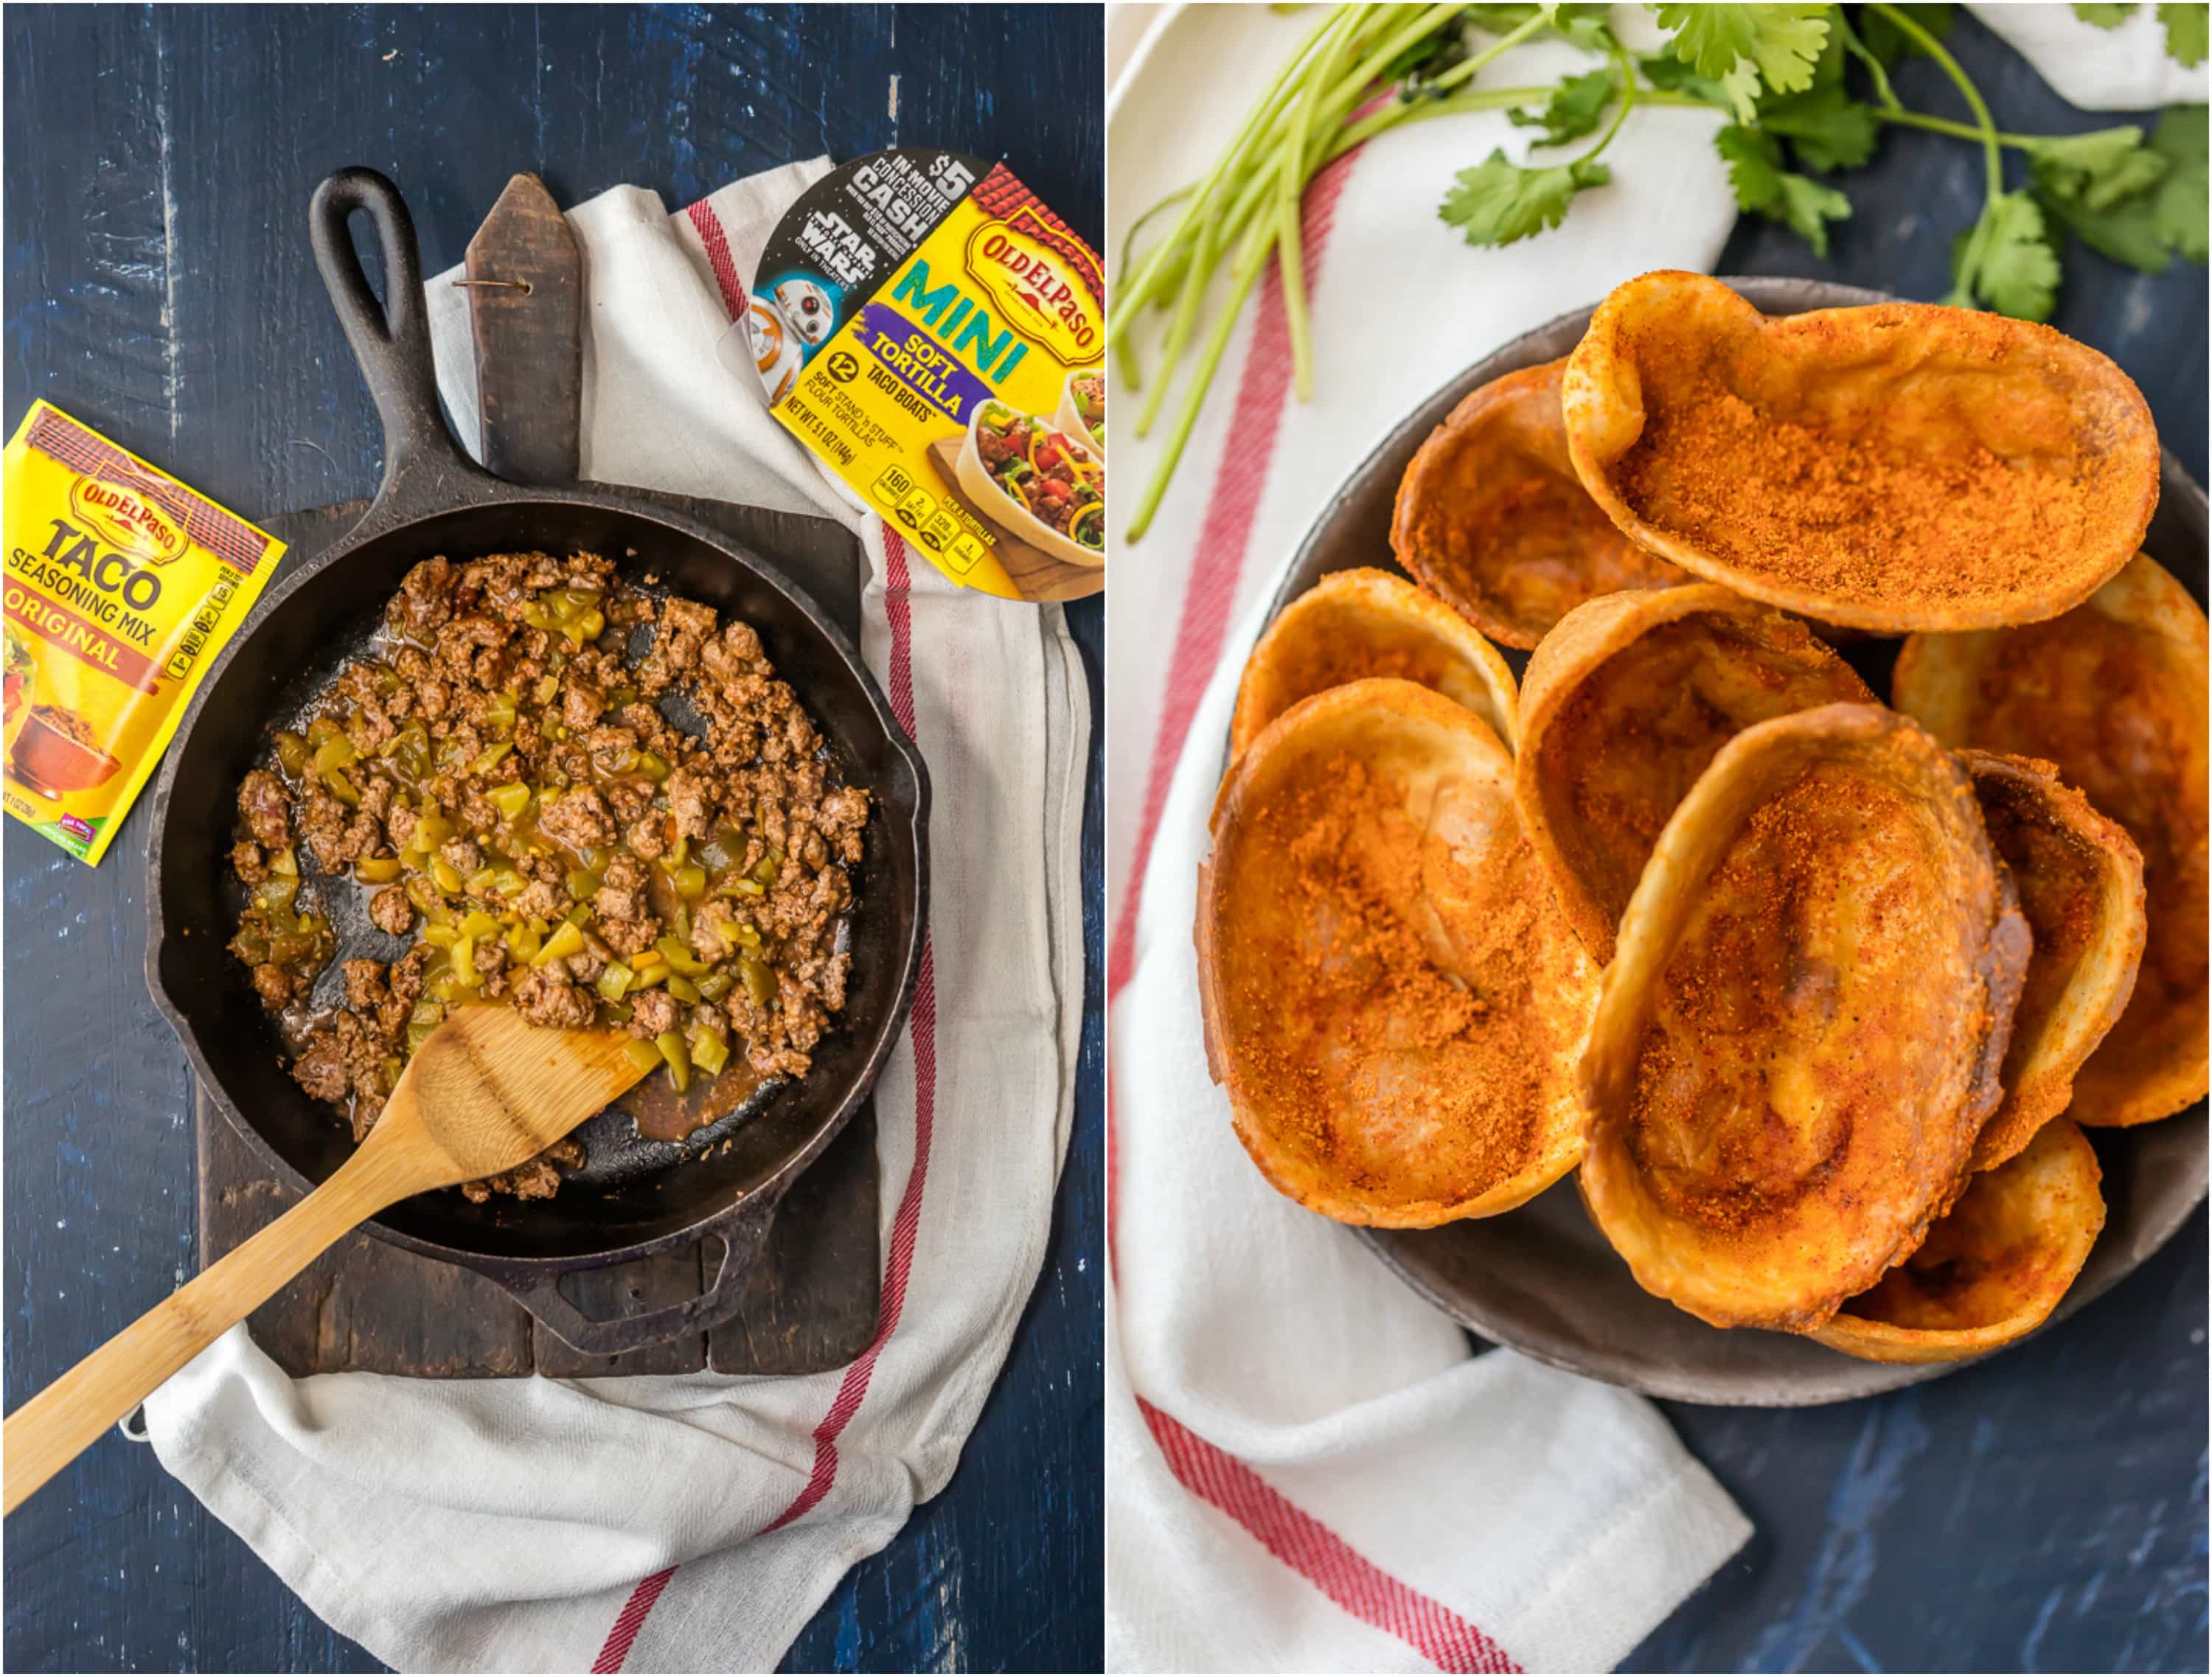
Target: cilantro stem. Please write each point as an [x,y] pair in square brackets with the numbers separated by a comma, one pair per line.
[1985,127]
[1250,201]
[1513,37]
[1125,353]
[1346,92]
[1366,128]
[1627,104]
[1192,270]
[1292,171]
[1969,264]
[1202,379]
[1958,131]
[1144,288]
[1858,49]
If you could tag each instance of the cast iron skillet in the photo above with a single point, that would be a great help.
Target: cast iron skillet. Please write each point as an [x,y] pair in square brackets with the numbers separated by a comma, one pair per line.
[1542,1279]
[626,1202]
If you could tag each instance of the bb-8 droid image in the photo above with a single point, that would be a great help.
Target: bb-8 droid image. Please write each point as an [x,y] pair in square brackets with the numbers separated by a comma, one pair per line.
[788,323]
[810,308]
[777,352]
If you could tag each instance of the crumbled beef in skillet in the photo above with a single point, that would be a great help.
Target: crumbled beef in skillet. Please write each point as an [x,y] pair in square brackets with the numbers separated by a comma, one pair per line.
[496,773]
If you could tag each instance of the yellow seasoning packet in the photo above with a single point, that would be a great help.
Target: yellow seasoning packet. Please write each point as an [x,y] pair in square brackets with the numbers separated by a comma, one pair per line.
[122,586]
[936,337]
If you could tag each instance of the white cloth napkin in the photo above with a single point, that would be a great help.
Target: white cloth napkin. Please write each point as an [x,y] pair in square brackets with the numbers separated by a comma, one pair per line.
[694,1524]
[1307,1471]
[2126,68]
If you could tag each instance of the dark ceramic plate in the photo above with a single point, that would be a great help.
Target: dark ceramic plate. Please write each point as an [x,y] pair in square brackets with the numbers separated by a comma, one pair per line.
[1542,1280]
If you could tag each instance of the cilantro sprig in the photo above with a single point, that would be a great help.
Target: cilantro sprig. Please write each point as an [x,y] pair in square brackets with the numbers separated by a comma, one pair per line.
[1807,91]
[1747,48]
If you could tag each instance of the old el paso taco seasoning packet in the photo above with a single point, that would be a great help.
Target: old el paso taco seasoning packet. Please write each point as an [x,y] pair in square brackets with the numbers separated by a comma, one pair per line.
[122,584]
[936,337]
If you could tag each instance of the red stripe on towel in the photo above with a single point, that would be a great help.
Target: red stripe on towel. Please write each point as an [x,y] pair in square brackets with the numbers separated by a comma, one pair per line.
[1294,1537]
[708,226]
[922,1027]
[1320,1556]
[632,1617]
[1223,538]
[922,1030]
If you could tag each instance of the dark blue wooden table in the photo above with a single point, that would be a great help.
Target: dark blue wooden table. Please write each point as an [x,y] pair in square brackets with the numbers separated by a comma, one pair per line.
[2045,1511]
[158,164]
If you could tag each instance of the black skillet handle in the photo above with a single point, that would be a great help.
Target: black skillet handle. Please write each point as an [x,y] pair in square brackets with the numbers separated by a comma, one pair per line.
[423,468]
[743,1240]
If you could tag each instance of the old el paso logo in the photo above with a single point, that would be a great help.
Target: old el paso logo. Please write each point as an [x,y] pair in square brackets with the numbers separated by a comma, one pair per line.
[1032,286]
[128,520]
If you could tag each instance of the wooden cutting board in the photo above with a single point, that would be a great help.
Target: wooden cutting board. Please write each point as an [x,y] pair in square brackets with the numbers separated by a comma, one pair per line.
[368,1305]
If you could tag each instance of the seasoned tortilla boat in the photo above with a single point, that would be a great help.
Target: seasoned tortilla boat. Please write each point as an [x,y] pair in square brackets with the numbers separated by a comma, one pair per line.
[1624,704]
[2113,694]
[1490,515]
[1065,518]
[1357,623]
[1992,1270]
[2080,878]
[1798,1040]
[1392,1003]
[1901,466]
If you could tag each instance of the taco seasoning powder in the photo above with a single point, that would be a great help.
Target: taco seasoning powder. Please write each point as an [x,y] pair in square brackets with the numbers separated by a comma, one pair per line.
[122,586]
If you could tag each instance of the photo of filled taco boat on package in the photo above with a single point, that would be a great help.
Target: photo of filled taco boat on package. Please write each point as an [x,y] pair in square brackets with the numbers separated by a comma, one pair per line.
[1036,482]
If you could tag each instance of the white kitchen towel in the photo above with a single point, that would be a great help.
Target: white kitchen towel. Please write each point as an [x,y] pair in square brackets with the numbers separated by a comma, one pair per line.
[694,1524]
[1307,1471]
[2126,68]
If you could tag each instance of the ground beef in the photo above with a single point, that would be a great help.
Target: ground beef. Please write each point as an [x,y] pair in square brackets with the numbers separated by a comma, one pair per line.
[261,801]
[655,1011]
[364,983]
[622,895]
[578,819]
[391,911]
[248,863]
[503,716]
[684,627]
[581,705]
[425,600]
[544,1000]
[539,1178]
[404,977]
[629,937]
[543,900]
[691,801]
[321,1069]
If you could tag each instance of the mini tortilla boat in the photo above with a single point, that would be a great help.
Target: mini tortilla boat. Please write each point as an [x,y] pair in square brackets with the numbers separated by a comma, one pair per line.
[1798,1040]
[2080,880]
[1357,623]
[1994,1269]
[1070,416]
[1624,704]
[1491,517]
[1898,467]
[993,501]
[2113,694]
[1392,1004]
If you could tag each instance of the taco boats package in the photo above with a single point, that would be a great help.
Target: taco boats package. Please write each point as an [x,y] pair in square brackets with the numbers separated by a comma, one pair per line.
[935,336]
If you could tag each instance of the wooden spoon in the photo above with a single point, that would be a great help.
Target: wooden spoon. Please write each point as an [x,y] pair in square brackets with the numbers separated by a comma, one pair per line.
[487,1090]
